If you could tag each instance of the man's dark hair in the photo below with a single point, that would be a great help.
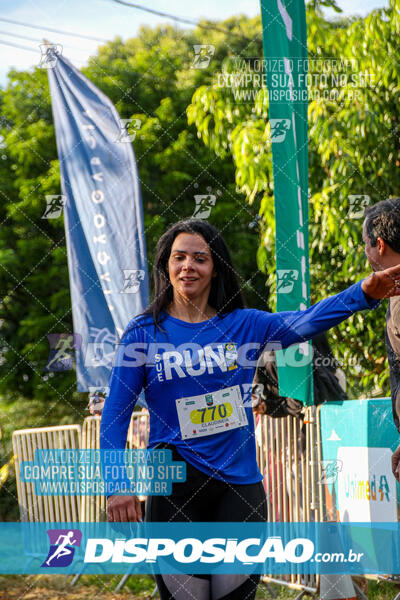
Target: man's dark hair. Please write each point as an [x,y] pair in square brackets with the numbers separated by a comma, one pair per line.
[225,294]
[383,220]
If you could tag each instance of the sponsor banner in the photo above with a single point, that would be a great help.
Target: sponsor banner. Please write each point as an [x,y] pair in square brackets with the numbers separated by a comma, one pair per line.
[103,220]
[285,42]
[306,548]
[358,439]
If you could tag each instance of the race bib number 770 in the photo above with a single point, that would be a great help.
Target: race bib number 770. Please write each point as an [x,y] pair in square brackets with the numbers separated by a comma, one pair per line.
[208,414]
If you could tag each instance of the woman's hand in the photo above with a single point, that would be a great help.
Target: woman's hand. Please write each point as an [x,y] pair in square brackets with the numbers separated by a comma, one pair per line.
[383,284]
[124,509]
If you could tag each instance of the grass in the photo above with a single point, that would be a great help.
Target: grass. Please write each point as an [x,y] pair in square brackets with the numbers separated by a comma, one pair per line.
[58,587]
[138,587]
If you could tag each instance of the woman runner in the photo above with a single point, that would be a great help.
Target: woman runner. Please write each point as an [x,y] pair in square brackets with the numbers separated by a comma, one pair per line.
[207,344]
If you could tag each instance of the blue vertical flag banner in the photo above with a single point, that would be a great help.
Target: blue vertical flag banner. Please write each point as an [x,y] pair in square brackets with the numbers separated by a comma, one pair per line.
[285,58]
[103,219]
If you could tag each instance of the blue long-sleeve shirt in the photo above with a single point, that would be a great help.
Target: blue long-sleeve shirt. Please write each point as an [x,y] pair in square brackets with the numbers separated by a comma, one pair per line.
[192,359]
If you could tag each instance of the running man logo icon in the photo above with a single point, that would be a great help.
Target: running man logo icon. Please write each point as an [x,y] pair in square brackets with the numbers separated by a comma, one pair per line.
[61,551]
[62,351]
[54,206]
[202,55]
[133,277]
[279,129]
[49,55]
[204,204]
[330,470]
[128,129]
[285,280]
[357,205]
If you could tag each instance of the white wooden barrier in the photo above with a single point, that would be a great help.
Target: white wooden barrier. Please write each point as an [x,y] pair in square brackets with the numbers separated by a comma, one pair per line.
[93,508]
[288,462]
[80,508]
[49,508]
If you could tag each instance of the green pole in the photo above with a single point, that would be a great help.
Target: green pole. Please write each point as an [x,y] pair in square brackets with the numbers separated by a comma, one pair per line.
[285,55]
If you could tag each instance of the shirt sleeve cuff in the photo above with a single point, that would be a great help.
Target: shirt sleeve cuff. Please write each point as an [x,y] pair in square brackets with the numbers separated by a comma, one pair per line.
[367,300]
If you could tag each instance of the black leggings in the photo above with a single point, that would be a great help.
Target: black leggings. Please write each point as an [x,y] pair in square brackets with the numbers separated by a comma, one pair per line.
[202,498]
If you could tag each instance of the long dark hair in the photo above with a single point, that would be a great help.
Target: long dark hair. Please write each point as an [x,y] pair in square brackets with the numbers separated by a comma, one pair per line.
[225,294]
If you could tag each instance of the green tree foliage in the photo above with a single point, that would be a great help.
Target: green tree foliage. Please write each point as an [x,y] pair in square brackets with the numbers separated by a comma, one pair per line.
[159,79]
[353,150]
[151,79]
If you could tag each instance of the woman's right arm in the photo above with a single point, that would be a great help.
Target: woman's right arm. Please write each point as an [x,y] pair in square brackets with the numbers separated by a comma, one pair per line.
[294,327]
[126,382]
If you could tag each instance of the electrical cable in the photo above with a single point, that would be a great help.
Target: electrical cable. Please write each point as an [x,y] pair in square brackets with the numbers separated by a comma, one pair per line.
[86,37]
[182,19]
[19,46]
[40,41]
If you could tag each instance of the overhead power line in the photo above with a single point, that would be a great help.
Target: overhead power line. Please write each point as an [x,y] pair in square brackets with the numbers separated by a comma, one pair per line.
[77,35]
[21,37]
[18,46]
[40,41]
[182,19]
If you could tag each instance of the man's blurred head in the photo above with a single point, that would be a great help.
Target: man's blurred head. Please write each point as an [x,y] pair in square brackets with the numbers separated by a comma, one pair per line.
[381,234]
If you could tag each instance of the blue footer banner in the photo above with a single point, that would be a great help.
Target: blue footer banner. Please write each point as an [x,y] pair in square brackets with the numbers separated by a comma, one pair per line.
[194,548]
